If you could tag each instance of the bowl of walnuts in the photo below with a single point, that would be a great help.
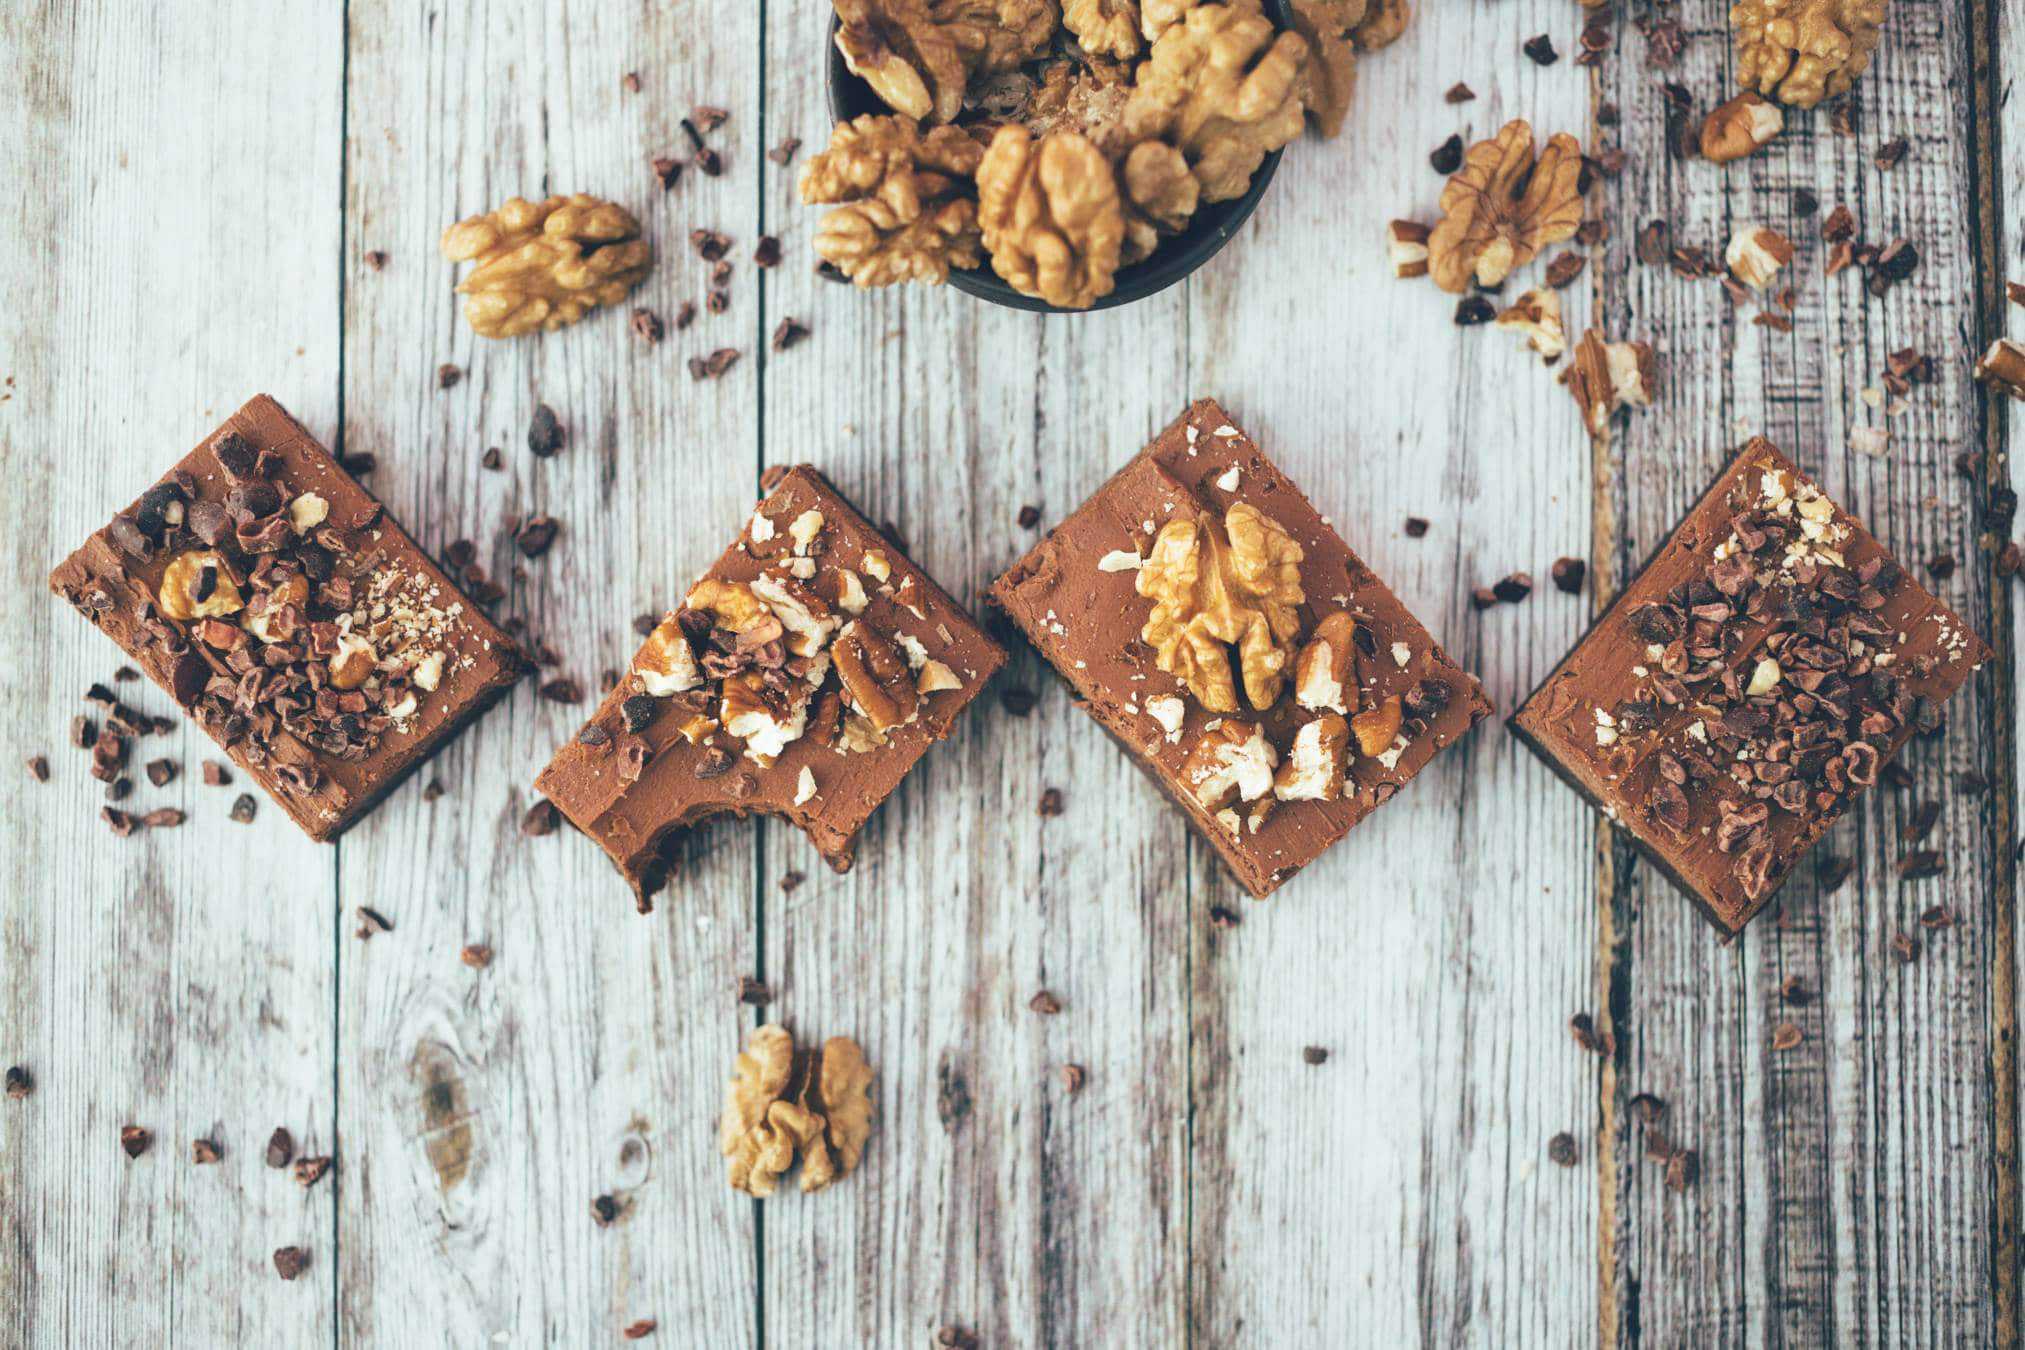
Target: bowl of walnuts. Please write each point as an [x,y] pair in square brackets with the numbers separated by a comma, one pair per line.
[1068,154]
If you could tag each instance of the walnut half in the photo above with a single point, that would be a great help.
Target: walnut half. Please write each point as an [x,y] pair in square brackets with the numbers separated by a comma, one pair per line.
[902,204]
[1504,206]
[1051,216]
[546,264]
[1222,584]
[781,1104]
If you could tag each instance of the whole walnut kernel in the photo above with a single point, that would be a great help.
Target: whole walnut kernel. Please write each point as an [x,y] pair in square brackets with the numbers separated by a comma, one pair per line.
[1051,216]
[545,264]
[910,60]
[1224,87]
[1218,584]
[1801,51]
[1504,206]
[1377,727]
[904,210]
[198,585]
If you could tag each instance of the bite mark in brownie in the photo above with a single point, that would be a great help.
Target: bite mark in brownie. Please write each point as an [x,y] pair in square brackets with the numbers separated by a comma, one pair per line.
[1748,685]
[273,598]
[1219,628]
[802,677]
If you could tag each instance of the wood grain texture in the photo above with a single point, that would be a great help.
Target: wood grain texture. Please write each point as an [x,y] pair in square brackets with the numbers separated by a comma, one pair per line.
[1842,1187]
[178,980]
[485,1109]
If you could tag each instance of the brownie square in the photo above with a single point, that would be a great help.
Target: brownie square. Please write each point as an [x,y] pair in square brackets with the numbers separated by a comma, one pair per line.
[275,600]
[1749,685]
[802,677]
[1228,638]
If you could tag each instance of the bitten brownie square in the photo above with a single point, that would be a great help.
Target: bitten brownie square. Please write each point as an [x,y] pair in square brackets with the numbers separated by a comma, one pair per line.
[802,677]
[279,605]
[1749,685]
[1225,634]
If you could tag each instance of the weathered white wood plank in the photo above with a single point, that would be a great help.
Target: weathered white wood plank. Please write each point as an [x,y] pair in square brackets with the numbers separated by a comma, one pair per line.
[179,980]
[483,1110]
[1437,953]
[1027,1214]
[1840,1179]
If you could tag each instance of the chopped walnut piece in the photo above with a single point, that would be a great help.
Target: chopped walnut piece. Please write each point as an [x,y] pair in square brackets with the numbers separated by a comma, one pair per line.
[1755,255]
[545,264]
[198,585]
[875,676]
[1325,678]
[2003,367]
[910,60]
[1537,315]
[1406,248]
[1383,22]
[1606,376]
[1376,728]
[1224,88]
[903,210]
[1051,216]
[1801,51]
[1104,27]
[1739,127]
[1313,768]
[1504,206]
[1232,761]
[1217,584]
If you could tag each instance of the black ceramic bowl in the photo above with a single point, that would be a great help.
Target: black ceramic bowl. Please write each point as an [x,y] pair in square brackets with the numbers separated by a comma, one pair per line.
[1177,256]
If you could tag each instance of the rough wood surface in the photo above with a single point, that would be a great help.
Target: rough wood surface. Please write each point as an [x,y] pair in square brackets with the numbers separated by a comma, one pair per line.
[206,233]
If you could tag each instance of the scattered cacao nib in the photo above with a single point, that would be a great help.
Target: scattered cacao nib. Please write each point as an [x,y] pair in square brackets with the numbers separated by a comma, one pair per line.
[604,1211]
[1891,152]
[447,375]
[1459,93]
[1314,1054]
[1896,775]
[717,302]
[1920,865]
[371,921]
[1921,822]
[1583,1028]
[1565,267]
[134,1140]
[1664,39]
[714,365]
[1842,116]
[280,1148]
[630,82]
[376,259]
[638,712]
[1937,916]
[1483,597]
[163,818]
[666,168]
[161,772]
[121,824]
[754,992]
[1831,871]
[1839,225]
[83,733]
[309,1171]
[1220,917]
[38,768]
[708,117]
[1682,1169]
[491,459]
[710,245]
[954,1337]
[205,1151]
[1561,1149]
[358,464]
[1473,310]
[1655,243]
[787,333]
[563,689]
[1448,156]
[790,882]
[243,807]
[20,1082]
[119,789]
[545,434]
[1539,50]
[709,163]
[1646,1108]
[639,1330]
[784,153]
[1785,1036]
[1568,574]
[646,326]
[289,1262]
[1073,1077]
[1045,1003]
[535,535]
[685,314]
[1416,527]
[1905,947]
[766,253]
[1513,588]
[1793,990]
[1051,802]
[541,818]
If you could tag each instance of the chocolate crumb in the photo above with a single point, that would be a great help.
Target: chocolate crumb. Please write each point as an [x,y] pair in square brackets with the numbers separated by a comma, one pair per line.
[372,921]
[20,1082]
[540,819]
[1921,822]
[630,82]
[784,153]
[717,302]
[1045,1003]
[119,821]
[709,163]
[476,955]
[667,169]
[1314,1054]
[954,1338]
[708,117]
[754,992]
[205,1151]
[1448,156]
[545,434]
[1937,916]
[714,365]
[1540,50]
[163,818]
[685,314]
[535,535]
[243,807]
[1794,990]
[1051,802]
[1831,871]
[359,464]
[563,689]
[432,790]
[161,771]
[1891,152]
[1583,1028]
[787,333]
[1483,597]
[1568,574]
[1565,268]
[134,1140]
[447,375]
[1682,1169]
[1561,1149]
[290,1262]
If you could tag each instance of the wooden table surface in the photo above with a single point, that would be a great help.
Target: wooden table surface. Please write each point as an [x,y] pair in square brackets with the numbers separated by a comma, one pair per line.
[194,193]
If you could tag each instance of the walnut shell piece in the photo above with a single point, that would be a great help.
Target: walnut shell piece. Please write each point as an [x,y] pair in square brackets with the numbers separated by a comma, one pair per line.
[1802,51]
[910,61]
[1503,206]
[1223,87]
[546,264]
[1051,216]
[902,204]
[1216,585]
